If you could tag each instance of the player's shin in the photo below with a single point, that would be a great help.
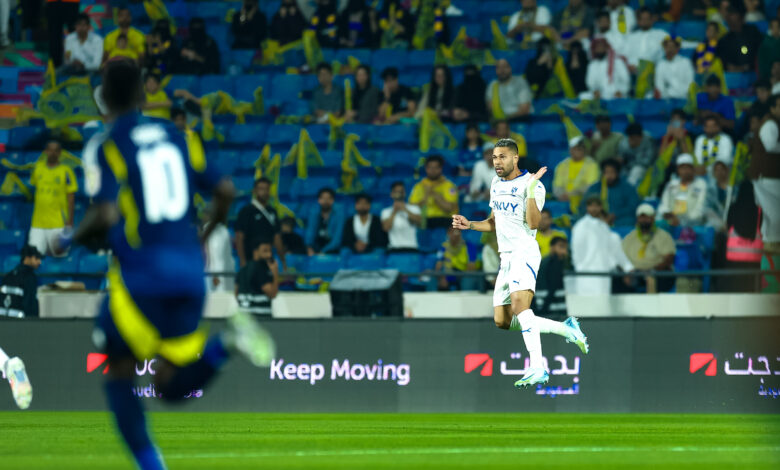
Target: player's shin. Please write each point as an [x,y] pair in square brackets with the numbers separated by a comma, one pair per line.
[197,374]
[545,325]
[130,420]
[533,342]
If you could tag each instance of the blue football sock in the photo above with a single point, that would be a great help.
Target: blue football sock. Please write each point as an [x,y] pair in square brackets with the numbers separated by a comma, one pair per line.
[197,374]
[130,420]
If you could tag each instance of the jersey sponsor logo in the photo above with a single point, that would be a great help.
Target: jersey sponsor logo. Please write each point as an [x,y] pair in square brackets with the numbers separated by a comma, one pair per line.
[505,206]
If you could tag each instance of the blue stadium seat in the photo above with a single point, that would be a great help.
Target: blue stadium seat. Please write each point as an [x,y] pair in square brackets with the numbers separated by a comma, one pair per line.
[417,78]
[621,106]
[655,127]
[430,240]
[367,262]
[227,161]
[473,237]
[491,9]
[694,30]
[308,188]
[332,158]
[23,137]
[288,87]
[383,58]
[10,262]
[740,81]
[405,262]
[7,249]
[363,55]
[323,264]
[7,215]
[190,83]
[241,57]
[243,183]
[557,208]
[246,161]
[298,263]
[9,79]
[421,58]
[319,133]
[14,238]
[545,132]
[216,10]
[246,135]
[622,231]
[93,263]
[762,26]
[655,108]
[365,131]
[211,83]
[666,26]
[399,161]
[52,265]
[397,135]
[283,134]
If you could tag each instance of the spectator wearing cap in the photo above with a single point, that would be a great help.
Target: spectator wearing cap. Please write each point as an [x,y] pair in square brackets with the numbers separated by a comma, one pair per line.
[673,73]
[545,233]
[401,221]
[636,152]
[508,96]
[646,43]
[712,101]
[550,296]
[607,76]
[684,198]
[618,198]
[136,41]
[738,49]
[769,51]
[482,175]
[528,24]
[363,232]
[19,288]
[399,101]
[83,49]
[764,171]
[650,248]
[604,142]
[621,16]
[712,145]
[436,195]
[327,99]
[325,225]
[250,26]
[257,222]
[575,174]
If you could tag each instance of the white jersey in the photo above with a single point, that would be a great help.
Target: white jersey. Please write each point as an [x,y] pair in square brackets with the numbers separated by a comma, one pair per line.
[508,202]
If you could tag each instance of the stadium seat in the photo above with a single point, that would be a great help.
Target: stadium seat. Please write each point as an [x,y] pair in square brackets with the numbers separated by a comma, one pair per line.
[430,240]
[23,137]
[10,262]
[366,262]
[557,208]
[212,83]
[92,263]
[283,134]
[404,262]
[621,106]
[472,237]
[14,238]
[694,30]
[740,81]
[622,231]
[365,131]
[332,158]
[190,83]
[421,58]
[545,132]
[396,135]
[308,188]
[52,265]
[319,133]
[227,161]
[297,263]
[289,87]
[323,264]
[384,58]
[245,135]
[7,215]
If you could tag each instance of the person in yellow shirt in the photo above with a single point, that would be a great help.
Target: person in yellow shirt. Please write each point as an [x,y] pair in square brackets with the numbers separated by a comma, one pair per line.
[55,188]
[435,195]
[157,102]
[136,41]
[123,49]
[545,233]
[574,175]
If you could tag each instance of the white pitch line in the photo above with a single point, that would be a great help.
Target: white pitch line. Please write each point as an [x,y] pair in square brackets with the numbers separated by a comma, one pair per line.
[460,450]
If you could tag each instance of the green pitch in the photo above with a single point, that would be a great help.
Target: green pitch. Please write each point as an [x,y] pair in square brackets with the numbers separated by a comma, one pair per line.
[38,440]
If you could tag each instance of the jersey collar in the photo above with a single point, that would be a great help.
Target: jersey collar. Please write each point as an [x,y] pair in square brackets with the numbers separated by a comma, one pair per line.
[518,176]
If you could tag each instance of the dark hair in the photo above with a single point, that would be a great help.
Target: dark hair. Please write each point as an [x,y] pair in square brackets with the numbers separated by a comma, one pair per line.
[152,75]
[82,17]
[556,240]
[262,179]
[711,117]
[389,72]
[121,9]
[176,112]
[53,140]
[30,251]
[712,80]
[326,190]
[594,198]
[773,100]
[679,112]
[434,88]
[287,221]
[435,158]
[475,126]
[643,10]
[367,69]
[634,129]
[363,197]
[397,183]
[763,82]
[324,66]
[714,24]
[603,118]
[122,84]
[602,14]
[737,9]
[611,162]
[257,242]
[508,143]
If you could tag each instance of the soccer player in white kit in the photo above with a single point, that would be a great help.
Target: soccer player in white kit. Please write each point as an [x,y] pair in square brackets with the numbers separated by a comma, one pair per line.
[13,370]
[516,199]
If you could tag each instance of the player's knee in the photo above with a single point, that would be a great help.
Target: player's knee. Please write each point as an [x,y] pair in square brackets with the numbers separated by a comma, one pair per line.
[503,323]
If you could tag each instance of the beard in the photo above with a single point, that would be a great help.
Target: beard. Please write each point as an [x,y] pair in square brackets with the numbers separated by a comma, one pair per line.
[646,226]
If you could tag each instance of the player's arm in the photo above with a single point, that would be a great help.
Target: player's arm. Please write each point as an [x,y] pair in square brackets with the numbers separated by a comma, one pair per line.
[271,289]
[462,223]
[532,213]
[95,224]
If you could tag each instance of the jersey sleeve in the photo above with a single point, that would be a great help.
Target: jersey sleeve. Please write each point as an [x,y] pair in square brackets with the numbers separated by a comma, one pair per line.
[206,176]
[72,185]
[100,183]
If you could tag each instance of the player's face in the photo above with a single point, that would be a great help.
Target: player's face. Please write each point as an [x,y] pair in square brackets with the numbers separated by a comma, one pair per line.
[503,161]
[262,192]
[433,170]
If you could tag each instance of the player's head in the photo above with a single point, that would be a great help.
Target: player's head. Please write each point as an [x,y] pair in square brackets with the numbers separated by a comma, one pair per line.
[503,70]
[179,118]
[713,31]
[645,216]
[122,86]
[30,256]
[546,221]
[326,197]
[594,206]
[711,126]
[53,151]
[604,124]
[685,167]
[505,157]
[287,225]
[363,76]
[82,25]
[610,168]
[774,105]
[262,190]
[502,129]
[644,19]
[362,204]
[324,74]
[635,134]
[434,165]
[398,191]
[712,87]
[262,250]
[559,247]
[577,148]
[124,18]
[672,46]
[390,78]
[603,21]
[152,83]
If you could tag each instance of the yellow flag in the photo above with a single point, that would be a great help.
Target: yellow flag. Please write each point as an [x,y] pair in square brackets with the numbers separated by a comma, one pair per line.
[654,175]
[69,102]
[347,95]
[434,134]
[495,102]
[350,182]
[499,40]
[304,153]
[12,183]
[741,164]
[311,49]
[644,79]
[263,161]
[156,10]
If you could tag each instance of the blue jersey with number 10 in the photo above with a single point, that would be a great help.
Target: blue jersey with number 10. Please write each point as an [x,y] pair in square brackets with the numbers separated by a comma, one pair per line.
[151,171]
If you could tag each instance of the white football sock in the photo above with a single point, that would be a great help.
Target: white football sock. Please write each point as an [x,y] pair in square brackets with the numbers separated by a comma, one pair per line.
[3,360]
[533,342]
[546,325]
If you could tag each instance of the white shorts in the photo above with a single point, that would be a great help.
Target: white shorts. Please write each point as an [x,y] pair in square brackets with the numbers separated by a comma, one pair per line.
[43,239]
[517,272]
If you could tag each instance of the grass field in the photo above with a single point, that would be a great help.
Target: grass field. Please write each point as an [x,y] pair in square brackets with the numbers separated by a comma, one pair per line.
[86,440]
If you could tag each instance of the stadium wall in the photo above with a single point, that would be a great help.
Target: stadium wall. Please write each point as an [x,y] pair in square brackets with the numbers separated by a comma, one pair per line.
[723,365]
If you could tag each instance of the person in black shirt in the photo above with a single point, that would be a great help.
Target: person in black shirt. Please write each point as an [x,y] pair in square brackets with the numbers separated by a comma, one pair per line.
[363,232]
[199,54]
[577,67]
[738,49]
[550,298]
[258,221]
[249,26]
[358,26]
[325,23]
[399,101]
[293,243]
[19,288]
[469,97]
[288,23]
[258,280]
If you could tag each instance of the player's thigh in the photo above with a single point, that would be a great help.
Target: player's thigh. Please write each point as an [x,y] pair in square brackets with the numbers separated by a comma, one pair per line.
[521,300]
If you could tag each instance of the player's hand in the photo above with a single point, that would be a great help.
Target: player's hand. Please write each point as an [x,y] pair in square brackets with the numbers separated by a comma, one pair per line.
[460,222]
[538,175]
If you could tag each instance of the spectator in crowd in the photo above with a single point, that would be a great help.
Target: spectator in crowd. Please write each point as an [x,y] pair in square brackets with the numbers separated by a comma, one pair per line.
[136,41]
[257,222]
[550,296]
[575,174]
[358,26]
[437,195]
[573,22]
[604,143]
[363,232]
[545,233]
[705,51]
[399,101]
[646,42]
[456,254]
[219,257]
[618,198]
[324,225]
[683,200]
[508,96]
[540,68]
[22,301]
[774,77]
[603,30]
[291,241]
[161,51]
[5,12]
[83,49]
[179,119]
[325,23]
[528,24]
[199,53]
[712,145]
[577,67]
[250,26]
[764,171]
[503,131]
[439,94]
[469,103]
[55,194]
[636,152]
[473,145]
[769,51]
[482,176]
[674,73]
[327,97]
[491,259]
[59,14]
[650,248]
[595,247]
[258,280]
[157,103]
[677,134]
[123,49]
[607,76]
[738,49]
[401,221]
[288,23]
[718,195]
[712,102]
[621,17]
[365,97]
[760,106]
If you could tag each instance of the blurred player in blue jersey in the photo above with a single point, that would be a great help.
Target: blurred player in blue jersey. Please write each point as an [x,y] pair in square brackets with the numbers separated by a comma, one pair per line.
[142,175]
